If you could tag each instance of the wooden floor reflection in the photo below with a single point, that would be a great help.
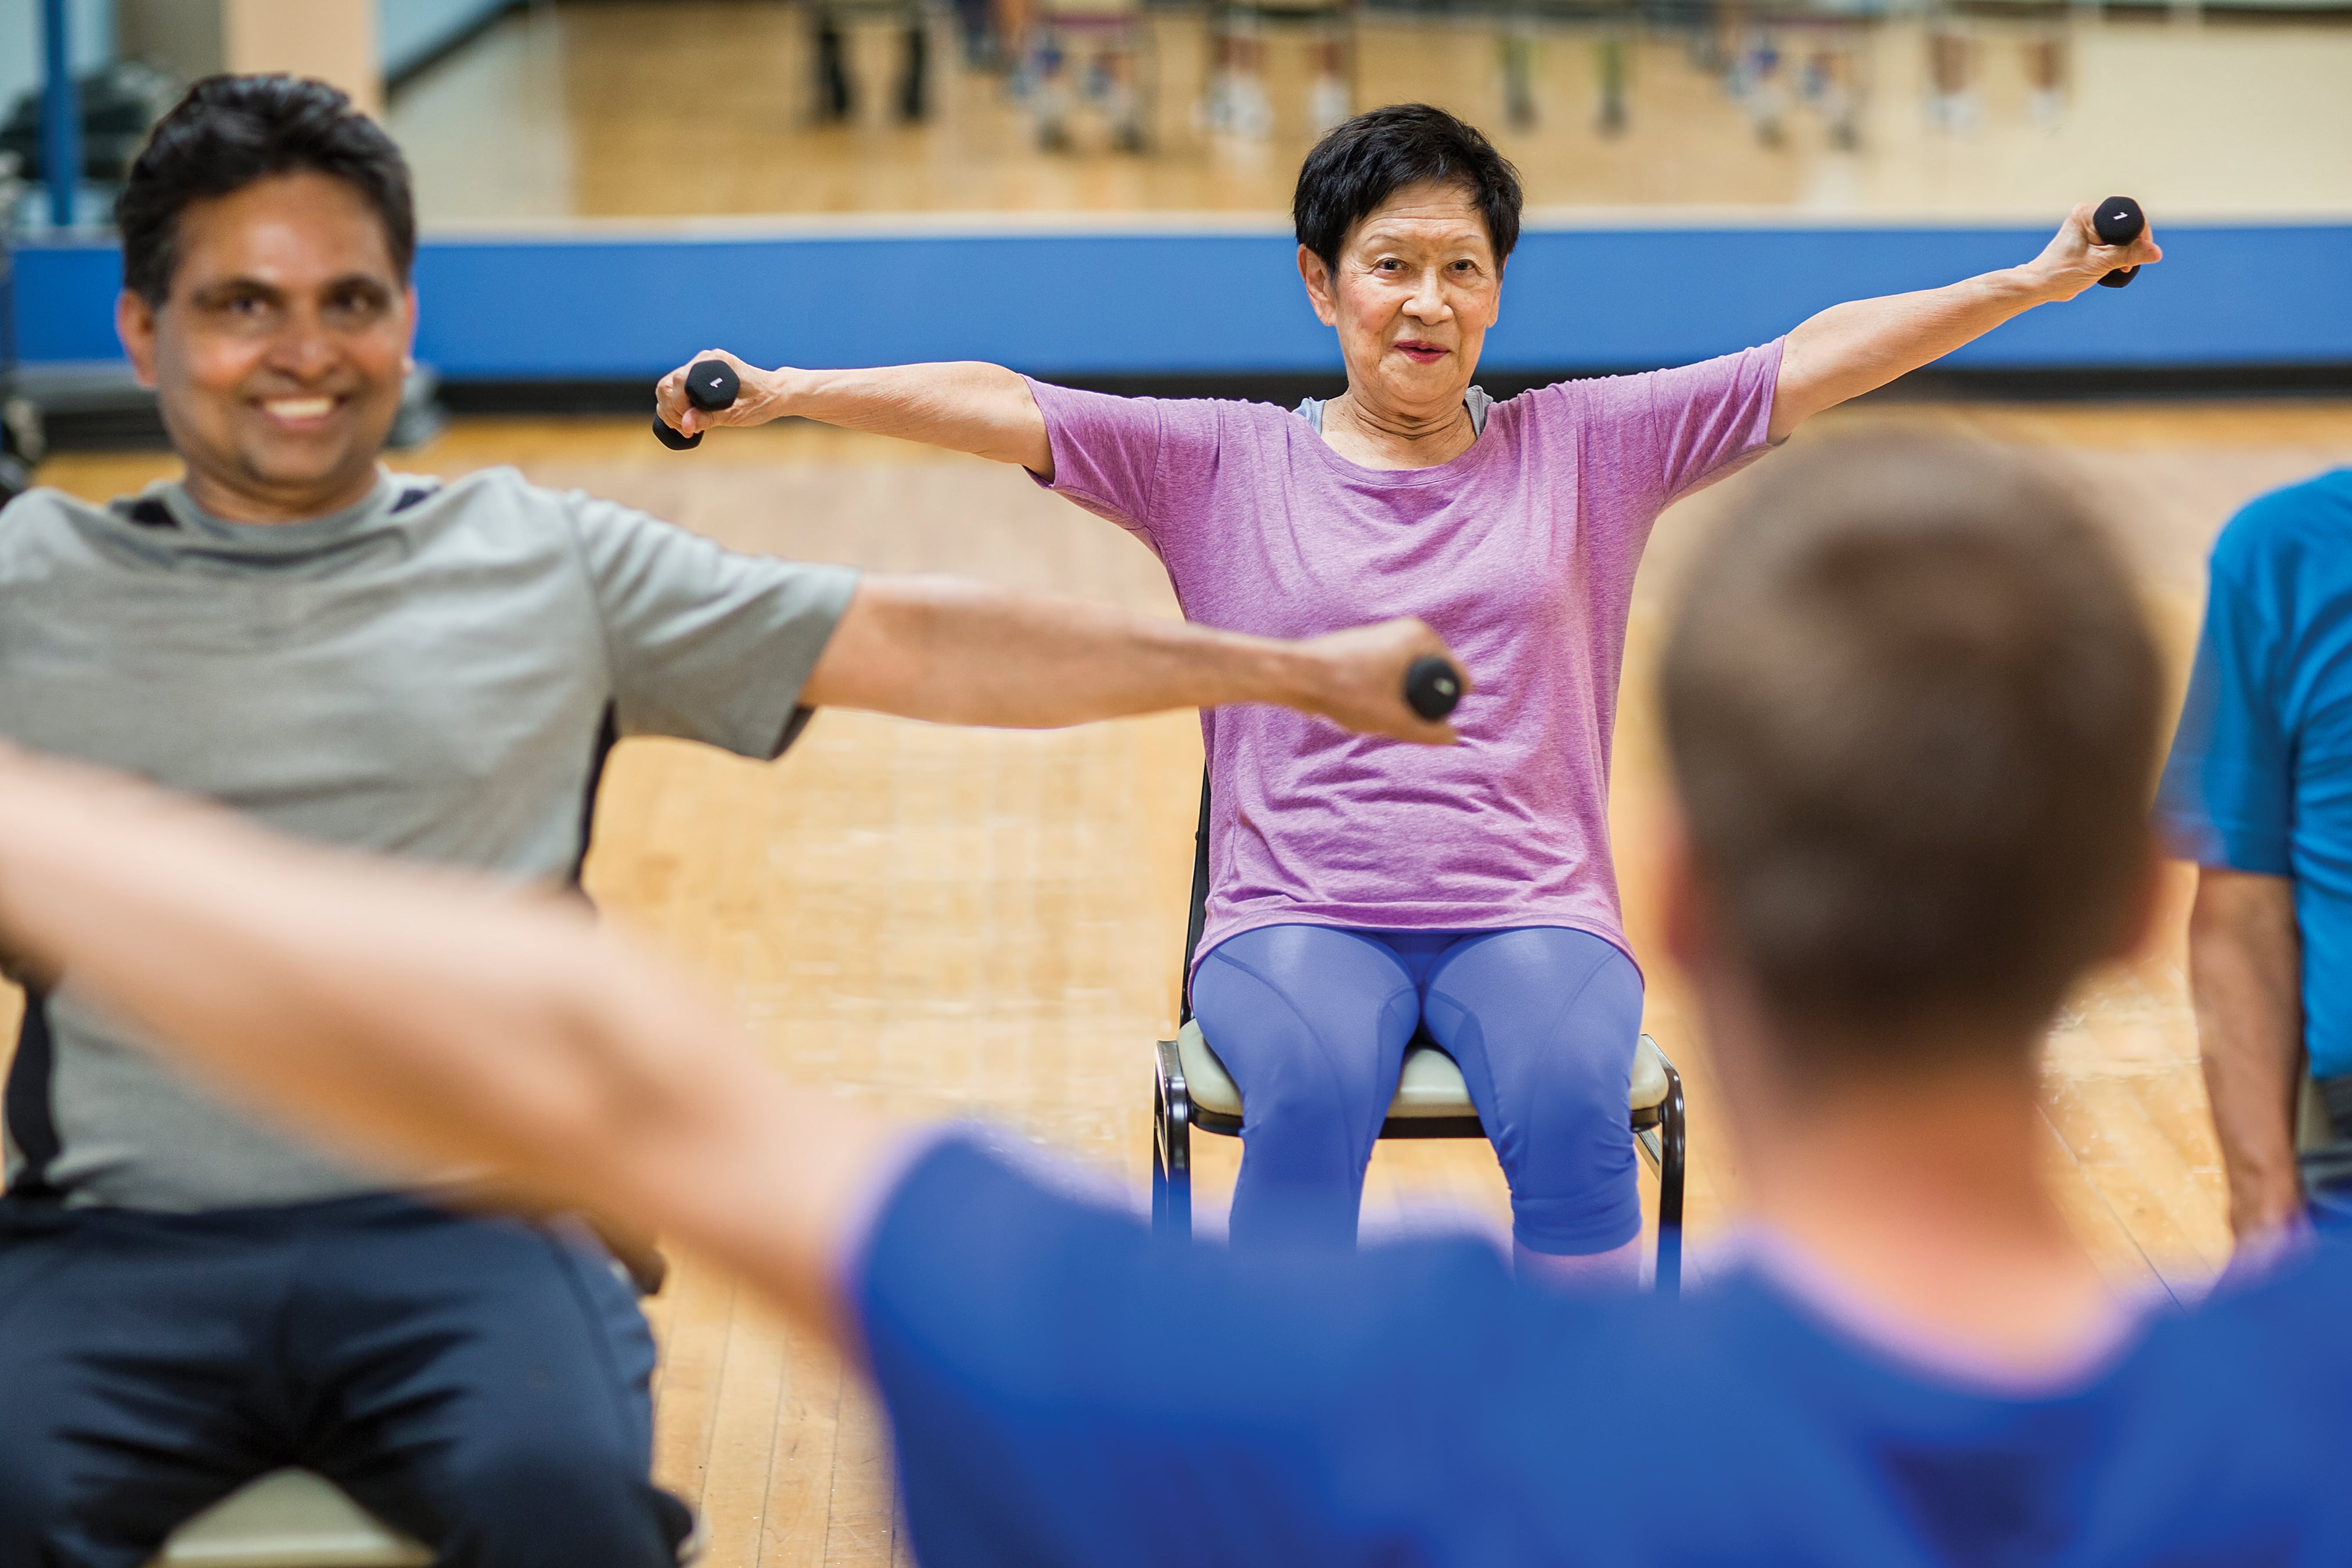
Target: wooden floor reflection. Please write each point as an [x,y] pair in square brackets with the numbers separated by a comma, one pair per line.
[945,923]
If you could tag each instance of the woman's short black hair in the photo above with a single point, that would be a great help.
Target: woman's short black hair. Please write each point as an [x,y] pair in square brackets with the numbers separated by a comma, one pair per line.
[232,131]
[1360,164]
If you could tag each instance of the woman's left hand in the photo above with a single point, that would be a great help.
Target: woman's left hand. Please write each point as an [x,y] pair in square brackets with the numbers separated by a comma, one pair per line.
[2074,259]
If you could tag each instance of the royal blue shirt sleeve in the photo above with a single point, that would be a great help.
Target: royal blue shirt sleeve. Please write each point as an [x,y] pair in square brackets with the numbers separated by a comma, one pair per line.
[2228,794]
[1065,1390]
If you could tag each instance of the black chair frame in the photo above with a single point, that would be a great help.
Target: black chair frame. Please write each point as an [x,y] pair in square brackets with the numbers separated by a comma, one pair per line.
[1659,1133]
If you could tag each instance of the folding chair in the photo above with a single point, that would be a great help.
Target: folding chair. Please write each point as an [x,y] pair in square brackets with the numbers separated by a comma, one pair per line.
[289,1519]
[1192,1089]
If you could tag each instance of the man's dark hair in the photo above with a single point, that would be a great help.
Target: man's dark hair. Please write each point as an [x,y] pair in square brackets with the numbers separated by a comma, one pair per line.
[1360,164]
[232,131]
[1913,707]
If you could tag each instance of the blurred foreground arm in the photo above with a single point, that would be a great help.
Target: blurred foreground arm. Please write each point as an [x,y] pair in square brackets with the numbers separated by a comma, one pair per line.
[429,1016]
[2245,972]
[1858,347]
[957,652]
[963,406]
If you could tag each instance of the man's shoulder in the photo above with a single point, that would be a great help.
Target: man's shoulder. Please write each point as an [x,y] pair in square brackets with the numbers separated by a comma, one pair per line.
[42,507]
[500,503]
[2278,529]
[501,488]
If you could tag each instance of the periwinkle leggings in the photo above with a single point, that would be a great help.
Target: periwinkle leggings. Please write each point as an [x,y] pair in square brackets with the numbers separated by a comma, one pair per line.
[1312,1023]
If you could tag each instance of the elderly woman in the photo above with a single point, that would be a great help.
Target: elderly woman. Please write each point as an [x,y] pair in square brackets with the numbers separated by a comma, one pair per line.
[1359,887]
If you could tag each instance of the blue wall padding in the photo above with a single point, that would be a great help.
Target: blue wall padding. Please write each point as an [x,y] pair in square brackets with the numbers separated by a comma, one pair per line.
[584,307]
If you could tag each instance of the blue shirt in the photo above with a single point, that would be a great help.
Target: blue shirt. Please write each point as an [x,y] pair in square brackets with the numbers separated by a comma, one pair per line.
[1067,1391]
[2260,778]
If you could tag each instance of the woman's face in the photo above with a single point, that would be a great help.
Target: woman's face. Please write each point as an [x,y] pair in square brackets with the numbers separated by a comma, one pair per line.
[1416,288]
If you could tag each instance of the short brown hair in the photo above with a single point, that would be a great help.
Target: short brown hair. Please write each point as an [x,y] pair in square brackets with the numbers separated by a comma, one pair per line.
[1913,707]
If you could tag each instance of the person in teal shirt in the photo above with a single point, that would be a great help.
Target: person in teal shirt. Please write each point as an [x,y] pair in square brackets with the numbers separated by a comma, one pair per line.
[2258,793]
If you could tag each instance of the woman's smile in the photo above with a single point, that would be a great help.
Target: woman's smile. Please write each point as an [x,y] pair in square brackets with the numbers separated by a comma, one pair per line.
[1421,351]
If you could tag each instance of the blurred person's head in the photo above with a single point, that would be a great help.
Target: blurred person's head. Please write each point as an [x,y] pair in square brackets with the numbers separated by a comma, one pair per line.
[1405,216]
[1913,709]
[267,234]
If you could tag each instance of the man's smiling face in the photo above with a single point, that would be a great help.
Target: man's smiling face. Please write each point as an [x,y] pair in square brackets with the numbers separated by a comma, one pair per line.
[279,348]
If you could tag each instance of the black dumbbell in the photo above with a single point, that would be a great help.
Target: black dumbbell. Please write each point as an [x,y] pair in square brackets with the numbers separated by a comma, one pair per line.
[2118,221]
[710,386]
[1432,686]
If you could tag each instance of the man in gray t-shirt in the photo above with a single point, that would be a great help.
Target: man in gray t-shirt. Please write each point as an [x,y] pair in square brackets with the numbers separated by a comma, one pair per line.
[437,671]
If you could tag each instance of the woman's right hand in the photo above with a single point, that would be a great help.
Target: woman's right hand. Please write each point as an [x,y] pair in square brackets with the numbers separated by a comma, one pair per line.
[763,396]
[984,409]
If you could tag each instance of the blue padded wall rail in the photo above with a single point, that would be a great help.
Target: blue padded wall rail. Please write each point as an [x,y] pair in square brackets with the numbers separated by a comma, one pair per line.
[1163,300]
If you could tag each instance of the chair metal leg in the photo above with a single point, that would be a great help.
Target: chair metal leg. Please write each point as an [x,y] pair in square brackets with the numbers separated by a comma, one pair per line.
[1671,1151]
[1159,1168]
[1172,1148]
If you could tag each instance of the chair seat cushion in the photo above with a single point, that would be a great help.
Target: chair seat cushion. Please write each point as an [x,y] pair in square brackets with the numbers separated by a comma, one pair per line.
[1431,1086]
[289,1519]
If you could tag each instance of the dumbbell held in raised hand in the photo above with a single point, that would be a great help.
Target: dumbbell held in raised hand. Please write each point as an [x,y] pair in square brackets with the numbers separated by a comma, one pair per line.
[711,385]
[2118,221]
[1432,686]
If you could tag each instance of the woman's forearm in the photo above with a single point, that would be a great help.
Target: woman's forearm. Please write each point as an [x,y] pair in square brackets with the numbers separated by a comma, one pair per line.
[965,406]
[1851,349]
[1860,346]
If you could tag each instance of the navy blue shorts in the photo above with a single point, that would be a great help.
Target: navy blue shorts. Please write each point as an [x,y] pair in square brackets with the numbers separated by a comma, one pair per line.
[481,1385]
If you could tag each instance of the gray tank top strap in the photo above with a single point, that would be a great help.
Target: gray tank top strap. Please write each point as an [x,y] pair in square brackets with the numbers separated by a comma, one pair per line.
[1475,400]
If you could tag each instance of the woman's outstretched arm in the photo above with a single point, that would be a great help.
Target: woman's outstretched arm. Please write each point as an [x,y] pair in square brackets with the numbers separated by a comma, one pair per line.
[1860,346]
[965,406]
[429,1016]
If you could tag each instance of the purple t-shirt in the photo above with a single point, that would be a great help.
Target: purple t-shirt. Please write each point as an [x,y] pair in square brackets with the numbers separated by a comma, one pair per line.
[1520,552]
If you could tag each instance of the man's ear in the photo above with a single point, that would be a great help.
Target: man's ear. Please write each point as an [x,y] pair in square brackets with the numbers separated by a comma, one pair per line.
[1318,278]
[134,323]
[2145,908]
[1685,922]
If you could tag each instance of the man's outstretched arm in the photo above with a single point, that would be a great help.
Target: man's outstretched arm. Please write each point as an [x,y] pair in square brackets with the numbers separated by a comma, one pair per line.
[958,652]
[427,1014]
[433,1017]
[1860,346]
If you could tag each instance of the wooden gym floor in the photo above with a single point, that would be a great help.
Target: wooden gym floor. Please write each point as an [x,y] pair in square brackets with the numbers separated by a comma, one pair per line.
[938,922]
[693,108]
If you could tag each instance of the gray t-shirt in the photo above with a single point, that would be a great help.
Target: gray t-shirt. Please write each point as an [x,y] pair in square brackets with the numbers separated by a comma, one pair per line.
[437,673]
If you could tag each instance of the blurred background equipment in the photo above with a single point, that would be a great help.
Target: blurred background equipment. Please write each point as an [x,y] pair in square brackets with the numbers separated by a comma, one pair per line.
[24,439]
[839,86]
[1015,179]
[118,102]
[1096,55]
[1246,68]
